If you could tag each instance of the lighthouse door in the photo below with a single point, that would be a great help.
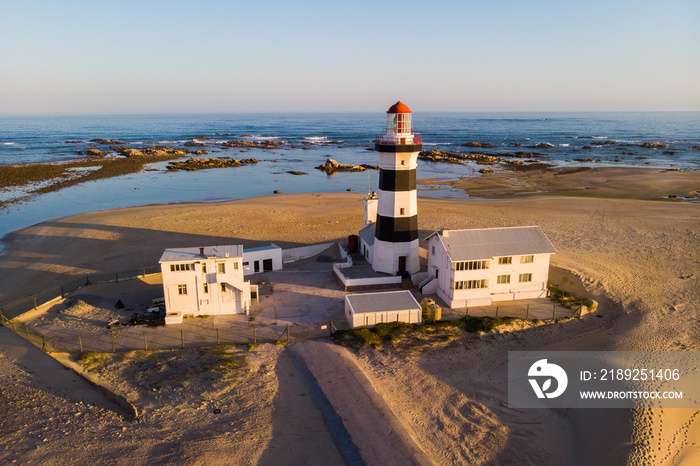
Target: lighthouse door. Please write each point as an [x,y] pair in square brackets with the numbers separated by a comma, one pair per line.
[402,264]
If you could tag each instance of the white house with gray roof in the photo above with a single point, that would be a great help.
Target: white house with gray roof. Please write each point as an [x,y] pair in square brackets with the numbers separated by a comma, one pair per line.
[204,281]
[479,267]
[366,309]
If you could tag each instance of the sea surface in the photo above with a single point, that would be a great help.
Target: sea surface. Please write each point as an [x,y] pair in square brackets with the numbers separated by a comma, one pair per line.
[343,137]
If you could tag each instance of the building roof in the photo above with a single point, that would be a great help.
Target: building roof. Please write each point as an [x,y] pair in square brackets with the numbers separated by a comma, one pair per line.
[367,234]
[192,254]
[263,248]
[399,107]
[487,243]
[382,302]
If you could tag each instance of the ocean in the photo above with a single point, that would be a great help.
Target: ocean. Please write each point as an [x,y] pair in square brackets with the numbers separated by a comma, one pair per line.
[343,137]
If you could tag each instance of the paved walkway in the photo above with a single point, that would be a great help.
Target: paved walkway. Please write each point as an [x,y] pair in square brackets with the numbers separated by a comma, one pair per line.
[362,424]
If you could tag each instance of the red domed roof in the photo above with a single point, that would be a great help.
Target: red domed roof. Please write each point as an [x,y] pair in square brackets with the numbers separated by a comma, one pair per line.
[399,107]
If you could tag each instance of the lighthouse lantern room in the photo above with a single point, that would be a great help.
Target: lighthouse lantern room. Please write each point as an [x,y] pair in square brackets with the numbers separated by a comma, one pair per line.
[395,248]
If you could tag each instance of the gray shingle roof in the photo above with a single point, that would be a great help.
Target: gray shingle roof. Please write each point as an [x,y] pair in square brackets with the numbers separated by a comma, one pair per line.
[192,254]
[486,243]
[382,302]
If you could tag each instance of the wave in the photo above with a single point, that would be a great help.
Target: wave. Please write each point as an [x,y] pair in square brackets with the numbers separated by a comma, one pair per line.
[438,143]
[563,145]
[174,142]
[316,139]
[600,137]
[136,142]
[8,143]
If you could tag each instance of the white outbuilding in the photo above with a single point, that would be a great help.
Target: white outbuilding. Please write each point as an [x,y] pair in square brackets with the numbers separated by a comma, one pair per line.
[262,259]
[366,309]
[482,266]
[204,281]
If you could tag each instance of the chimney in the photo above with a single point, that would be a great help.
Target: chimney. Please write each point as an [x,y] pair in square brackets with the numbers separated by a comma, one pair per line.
[201,252]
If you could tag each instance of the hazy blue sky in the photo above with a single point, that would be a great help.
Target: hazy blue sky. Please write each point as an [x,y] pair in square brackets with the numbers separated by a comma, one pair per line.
[269,55]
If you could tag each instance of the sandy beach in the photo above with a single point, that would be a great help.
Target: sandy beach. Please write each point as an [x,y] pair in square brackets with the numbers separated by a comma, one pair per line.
[635,251]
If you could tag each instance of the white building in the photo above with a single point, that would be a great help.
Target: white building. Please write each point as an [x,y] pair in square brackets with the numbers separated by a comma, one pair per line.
[366,309]
[479,267]
[204,281]
[262,259]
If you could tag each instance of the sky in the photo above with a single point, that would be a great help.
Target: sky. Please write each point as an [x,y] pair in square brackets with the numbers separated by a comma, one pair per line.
[177,56]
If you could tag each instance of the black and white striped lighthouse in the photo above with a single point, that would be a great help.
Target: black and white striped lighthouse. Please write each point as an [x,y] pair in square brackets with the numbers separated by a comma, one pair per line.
[395,248]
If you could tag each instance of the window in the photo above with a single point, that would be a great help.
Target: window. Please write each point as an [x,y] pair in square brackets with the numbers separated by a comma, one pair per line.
[204,267]
[206,288]
[235,266]
[433,250]
[402,211]
[527,259]
[470,265]
[246,264]
[222,267]
[223,287]
[181,267]
[505,260]
[501,279]
[181,289]
[525,277]
[470,284]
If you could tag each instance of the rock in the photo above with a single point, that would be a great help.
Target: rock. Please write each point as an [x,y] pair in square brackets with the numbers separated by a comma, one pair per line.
[256,144]
[483,145]
[486,170]
[654,145]
[542,145]
[516,144]
[696,147]
[587,147]
[584,160]
[194,144]
[106,141]
[294,172]
[75,142]
[277,191]
[349,189]
[195,163]
[332,166]
[246,136]
[200,152]
[96,153]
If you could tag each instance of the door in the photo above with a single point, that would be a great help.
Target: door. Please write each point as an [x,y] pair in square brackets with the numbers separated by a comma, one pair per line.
[402,264]
[267,265]
[256,264]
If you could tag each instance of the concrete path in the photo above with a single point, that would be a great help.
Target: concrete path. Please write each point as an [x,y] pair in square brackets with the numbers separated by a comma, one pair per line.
[362,424]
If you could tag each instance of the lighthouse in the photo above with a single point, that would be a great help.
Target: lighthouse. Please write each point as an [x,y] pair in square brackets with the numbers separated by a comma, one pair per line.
[395,248]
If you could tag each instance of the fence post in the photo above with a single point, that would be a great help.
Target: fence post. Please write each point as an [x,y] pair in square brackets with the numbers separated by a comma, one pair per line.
[63,293]
[114,348]
[554,311]
[496,312]
[80,342]
[287,333]
[466,314]
[2,317]
[43,343]
[217,335]
[144,273]
[182,338]
[255,336]
[14,327]
[34,302]
[527,312]
[145,344]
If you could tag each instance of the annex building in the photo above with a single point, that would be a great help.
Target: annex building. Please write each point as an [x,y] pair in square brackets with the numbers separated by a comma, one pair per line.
[482,266]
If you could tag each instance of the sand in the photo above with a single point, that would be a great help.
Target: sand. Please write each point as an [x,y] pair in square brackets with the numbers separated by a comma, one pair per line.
[639,258]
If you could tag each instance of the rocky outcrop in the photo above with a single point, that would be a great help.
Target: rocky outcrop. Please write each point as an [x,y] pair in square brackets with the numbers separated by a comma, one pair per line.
[257,144]
[483,145]
[542,145]
[332,166]
[153,151]
[654,145]
[106,141]
[294,172]
[435,155]
[95,153]
[195,163]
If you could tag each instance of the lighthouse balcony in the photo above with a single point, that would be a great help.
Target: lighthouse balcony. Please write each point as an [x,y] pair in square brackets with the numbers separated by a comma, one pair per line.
[396,139]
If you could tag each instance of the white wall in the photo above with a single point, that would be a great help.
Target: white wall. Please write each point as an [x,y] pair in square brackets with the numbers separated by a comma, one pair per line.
[355,320]
[250,257]
[303,252]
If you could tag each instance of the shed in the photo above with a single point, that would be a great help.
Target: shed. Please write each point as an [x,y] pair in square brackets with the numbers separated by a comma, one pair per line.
[366,309]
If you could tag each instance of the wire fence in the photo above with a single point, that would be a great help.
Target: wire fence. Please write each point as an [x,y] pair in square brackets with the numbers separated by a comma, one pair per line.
[51,338]
[17,308]
[536,310]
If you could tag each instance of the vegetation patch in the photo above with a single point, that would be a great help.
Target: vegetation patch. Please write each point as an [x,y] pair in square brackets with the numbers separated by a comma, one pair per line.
[412,334]
[568,300]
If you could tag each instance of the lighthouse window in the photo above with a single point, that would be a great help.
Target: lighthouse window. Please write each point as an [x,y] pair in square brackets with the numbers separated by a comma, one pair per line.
[402,211]
[403,162]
